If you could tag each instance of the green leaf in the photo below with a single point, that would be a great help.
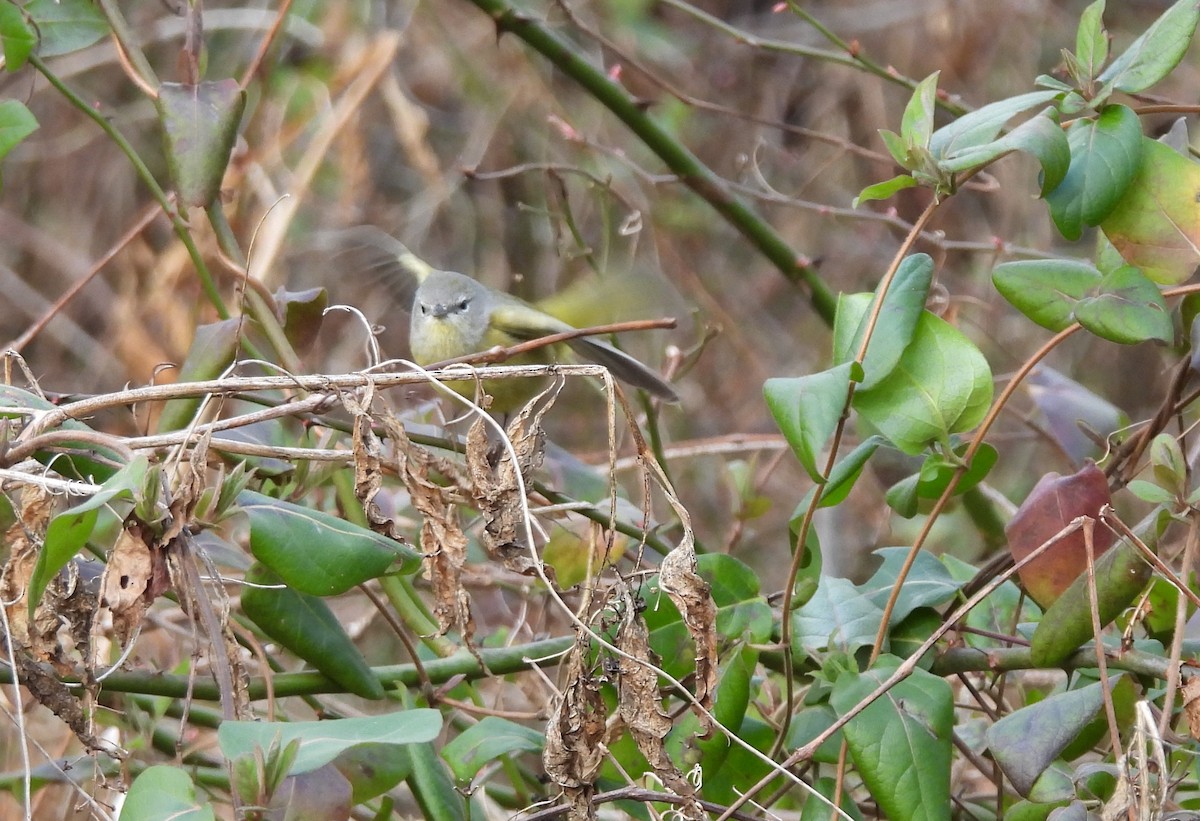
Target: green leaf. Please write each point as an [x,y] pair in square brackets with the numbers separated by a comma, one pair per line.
[16,38]
[16,123]
[199,128]
[211,353]
[845,473]
[896,147]
[916,126]
[736,684]
[164,791]
[486,741]
[1046,290]
[372,769]
[1128,309]
[928,583]
[884,190]
[1026,742]
[69,531]
[320,742]
[1091,41]
[317,553]
[982,125]
[305,625]
[901,744]
[1156,225]
[1105,155]
[942,385]
[432,786]
[935,474]
[1040,137]
[807,410]
[838,616]
[64,26]
[902,307]
[1155,54]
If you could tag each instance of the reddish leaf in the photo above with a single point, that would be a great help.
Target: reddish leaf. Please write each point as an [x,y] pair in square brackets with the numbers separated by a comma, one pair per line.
[1053,504]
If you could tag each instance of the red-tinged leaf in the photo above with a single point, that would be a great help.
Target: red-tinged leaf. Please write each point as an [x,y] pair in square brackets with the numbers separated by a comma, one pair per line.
[1054,503]
[1156,224]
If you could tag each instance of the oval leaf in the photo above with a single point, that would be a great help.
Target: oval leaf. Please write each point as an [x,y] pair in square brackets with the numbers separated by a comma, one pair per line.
[317,553]
[941,385]
[1105,155]
[486,741]
[162,792]
[1046,290]
[807,410]
[323,741]
[1128,309]
[305,625]
[1156,225]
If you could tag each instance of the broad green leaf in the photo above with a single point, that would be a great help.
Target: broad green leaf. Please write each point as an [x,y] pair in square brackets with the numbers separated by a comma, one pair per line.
[69,531]
[1025,743]
[323,741]
[1156,225]
[16,123]
[901,744]
[164,791]
[305,625]
[372,769]
[1153,56]
[1046,290]
[317,553]
[1040,137]
[983,125]
[928,583]
[884,190]
[1091,41]
[64,26]
[942,385]
[838,616]
[1128,309]
[916,126]
[1105,155]
[486,741]
[199,125]
[807,410]
[211,353]
[902,307]
[16,38]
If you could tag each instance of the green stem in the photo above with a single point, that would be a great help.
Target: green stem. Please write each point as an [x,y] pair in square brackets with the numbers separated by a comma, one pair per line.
[499,661]
[686,165]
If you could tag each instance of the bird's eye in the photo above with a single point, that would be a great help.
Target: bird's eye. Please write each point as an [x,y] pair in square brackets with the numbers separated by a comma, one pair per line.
[462,306]
[424,309]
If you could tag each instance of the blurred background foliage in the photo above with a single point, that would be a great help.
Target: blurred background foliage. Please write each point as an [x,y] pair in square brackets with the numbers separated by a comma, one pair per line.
[417,119]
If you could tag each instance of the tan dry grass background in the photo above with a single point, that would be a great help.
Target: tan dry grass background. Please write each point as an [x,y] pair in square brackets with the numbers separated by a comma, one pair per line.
[455,103]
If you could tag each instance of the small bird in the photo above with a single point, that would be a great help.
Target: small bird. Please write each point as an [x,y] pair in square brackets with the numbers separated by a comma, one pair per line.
[454,315]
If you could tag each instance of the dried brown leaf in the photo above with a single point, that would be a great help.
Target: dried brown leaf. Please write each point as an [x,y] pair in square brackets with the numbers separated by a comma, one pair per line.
[442,537]
[135,575]
[493,475]
[639,704]
[575,736]
[34,508]
[1191,704]
[692,596]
